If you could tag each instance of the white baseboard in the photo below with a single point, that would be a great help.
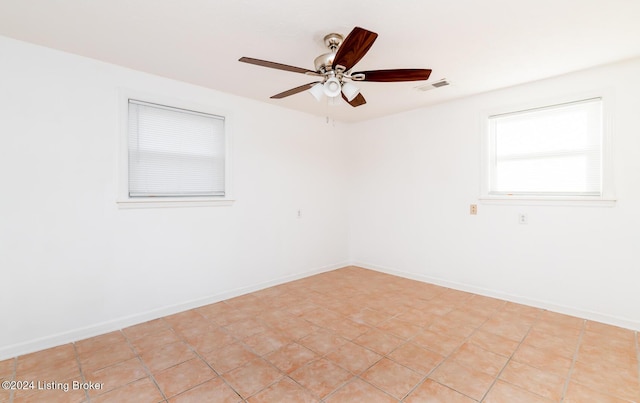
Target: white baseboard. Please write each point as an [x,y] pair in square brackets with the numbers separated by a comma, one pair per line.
[97,329]
[567,310]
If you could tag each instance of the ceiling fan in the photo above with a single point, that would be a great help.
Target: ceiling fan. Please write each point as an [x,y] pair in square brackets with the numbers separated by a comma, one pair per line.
[334,69]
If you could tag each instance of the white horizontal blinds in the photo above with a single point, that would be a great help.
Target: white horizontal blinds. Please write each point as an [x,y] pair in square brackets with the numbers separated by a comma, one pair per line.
[555,150]
[175,152]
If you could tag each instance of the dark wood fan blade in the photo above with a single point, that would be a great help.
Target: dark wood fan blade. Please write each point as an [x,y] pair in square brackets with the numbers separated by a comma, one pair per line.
[293,91]
[357,101]
[354,47]
[274,65]
[395,75]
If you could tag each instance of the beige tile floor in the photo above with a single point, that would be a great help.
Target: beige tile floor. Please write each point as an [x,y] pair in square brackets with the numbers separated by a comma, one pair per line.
[350,335]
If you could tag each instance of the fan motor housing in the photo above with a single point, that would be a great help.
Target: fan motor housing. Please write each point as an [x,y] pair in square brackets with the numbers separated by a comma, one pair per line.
[324,62]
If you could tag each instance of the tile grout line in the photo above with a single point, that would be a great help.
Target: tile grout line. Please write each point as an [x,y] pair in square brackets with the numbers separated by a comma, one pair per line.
[383,356]
[508,359]
[324,356]
[153,379]
[511,356]
[354,376]
[262,357]
[181,337]
[77,355]
[220,375]
[15,375]
[573,361]
[424,379]
[285,375]
[137,357]
[420,382]
[406,341]
[447,357]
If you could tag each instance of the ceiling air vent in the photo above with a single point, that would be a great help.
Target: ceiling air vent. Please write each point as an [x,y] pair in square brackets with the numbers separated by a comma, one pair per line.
[440,83]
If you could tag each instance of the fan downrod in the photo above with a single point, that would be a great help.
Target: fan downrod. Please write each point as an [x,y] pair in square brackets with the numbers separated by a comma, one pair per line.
[333,41]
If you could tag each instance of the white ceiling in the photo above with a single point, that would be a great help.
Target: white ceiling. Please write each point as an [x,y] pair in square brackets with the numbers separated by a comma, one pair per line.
[476,45]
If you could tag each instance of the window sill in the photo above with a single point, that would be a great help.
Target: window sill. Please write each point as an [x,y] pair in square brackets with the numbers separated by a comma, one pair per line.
[549,201]
[172,202]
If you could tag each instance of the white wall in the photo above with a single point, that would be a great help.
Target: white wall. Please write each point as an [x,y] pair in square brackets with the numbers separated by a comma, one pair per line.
[74,265]
[415,174]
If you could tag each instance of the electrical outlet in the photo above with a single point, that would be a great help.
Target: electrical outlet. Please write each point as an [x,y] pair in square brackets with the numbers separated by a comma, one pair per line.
[522,218]
[473,209]
[299,213]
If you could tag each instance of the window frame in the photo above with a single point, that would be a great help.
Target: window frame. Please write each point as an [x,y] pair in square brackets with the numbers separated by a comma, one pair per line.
[606,198]
[123,199]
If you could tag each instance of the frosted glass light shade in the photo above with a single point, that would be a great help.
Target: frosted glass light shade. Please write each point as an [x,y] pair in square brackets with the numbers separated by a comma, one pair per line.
[332,87]
[317,91]
[350,91]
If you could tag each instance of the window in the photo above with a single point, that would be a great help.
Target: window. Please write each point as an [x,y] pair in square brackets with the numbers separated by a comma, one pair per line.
[173,155]
[553,151]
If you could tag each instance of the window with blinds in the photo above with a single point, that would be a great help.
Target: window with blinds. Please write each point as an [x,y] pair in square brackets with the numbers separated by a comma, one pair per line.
[174,152]
[550,151]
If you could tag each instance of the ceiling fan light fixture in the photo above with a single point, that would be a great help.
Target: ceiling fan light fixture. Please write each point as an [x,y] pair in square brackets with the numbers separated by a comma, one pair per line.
[350,91]
[332,87]
[317,90]
[334,67]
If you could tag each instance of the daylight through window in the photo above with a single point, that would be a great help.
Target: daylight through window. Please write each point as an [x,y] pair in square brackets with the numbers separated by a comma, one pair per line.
[550,151]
